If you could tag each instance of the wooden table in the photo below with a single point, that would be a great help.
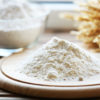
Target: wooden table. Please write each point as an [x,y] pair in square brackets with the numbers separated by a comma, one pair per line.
[4,95]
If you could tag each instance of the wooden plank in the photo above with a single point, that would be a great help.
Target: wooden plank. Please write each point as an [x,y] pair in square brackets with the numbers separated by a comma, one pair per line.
[2,92]
[5,93]
[16,98]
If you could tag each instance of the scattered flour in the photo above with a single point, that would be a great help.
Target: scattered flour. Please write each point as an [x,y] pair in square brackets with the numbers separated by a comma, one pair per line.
[60,61]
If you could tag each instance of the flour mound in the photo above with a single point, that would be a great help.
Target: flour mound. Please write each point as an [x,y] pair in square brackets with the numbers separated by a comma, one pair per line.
[18,9]
[60,61]
[20,15]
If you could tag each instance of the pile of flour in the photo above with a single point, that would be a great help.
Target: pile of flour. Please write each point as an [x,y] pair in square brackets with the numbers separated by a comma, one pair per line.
[59,61]
[19,14]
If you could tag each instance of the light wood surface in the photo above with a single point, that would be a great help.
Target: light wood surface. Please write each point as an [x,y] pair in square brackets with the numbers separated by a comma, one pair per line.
[43,38]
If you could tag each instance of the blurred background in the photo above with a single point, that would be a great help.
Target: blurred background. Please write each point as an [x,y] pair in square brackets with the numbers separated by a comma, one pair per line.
[53,24]
[31,23]
[56,7]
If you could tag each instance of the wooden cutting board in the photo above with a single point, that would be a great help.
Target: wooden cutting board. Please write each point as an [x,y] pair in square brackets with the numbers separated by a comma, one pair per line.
[37,90]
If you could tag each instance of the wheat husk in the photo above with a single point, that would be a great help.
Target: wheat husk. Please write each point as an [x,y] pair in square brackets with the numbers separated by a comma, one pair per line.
[89,29]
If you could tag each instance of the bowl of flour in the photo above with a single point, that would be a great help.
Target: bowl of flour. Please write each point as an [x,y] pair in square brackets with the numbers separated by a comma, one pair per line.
[20,23]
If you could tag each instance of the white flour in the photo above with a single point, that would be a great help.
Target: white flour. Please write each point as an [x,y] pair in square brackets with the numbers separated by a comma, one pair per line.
[60,60]
[19,14]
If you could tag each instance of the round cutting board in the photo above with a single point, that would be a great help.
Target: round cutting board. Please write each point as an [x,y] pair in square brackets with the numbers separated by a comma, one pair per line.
[22,85]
